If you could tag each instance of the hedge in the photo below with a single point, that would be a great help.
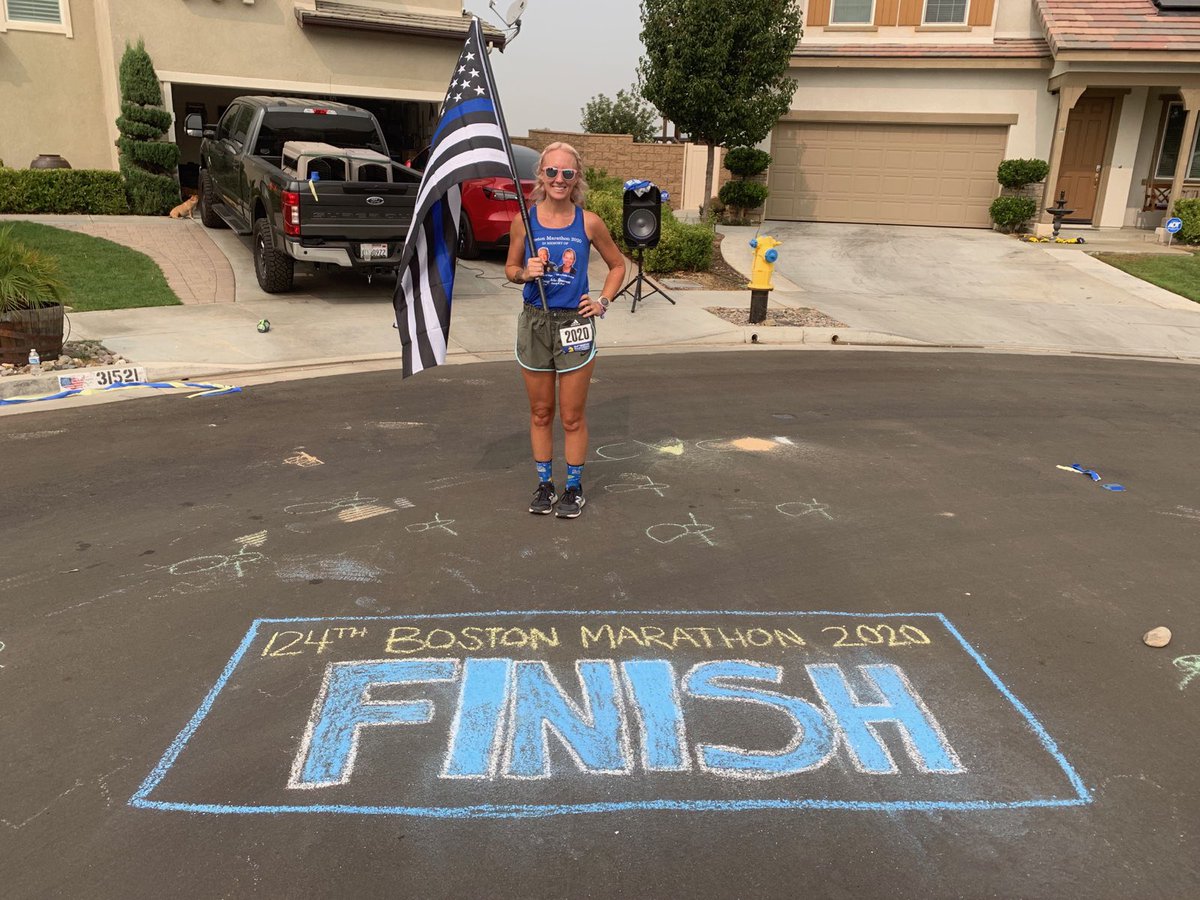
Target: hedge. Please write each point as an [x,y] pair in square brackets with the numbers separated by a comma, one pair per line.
[1016,173]
[32,191]
[747,162]
[1189,211]
[681,247]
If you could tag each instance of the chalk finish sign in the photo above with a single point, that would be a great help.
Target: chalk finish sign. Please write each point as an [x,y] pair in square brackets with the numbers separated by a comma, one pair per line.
[516,714]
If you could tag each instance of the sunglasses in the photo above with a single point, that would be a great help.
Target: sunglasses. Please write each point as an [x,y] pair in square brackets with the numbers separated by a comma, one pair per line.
[552,172]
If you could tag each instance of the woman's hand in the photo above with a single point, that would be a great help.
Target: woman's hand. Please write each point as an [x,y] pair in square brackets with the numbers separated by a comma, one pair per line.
[589,307]
[535,267]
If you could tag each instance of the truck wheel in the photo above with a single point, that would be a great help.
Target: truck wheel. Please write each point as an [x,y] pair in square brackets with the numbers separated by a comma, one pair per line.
[273,269]
[207,215]
[467,248]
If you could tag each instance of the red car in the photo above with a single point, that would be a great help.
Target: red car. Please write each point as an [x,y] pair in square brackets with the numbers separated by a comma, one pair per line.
[489,204]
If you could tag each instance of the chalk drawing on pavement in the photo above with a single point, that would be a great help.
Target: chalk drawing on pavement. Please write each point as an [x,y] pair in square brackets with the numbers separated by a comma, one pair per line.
[218,563]
[437,523]
[303,459]
[796,508]
[1189,666]
[634,481]
[669,532]
[520,714]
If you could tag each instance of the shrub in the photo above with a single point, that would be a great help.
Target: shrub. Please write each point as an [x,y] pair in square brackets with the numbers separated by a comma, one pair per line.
[743,194]
[683,247]
[32,191]
[600,180]
[29,279]
[1189,211]
[746,162]
[147,162]
[1016,173]
[1011,213]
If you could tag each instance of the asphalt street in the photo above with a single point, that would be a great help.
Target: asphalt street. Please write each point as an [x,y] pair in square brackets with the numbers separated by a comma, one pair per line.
[831,624]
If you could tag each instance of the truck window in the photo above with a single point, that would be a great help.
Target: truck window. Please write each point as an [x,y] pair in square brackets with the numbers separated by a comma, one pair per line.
[225,126]
[341,130]
[242,124]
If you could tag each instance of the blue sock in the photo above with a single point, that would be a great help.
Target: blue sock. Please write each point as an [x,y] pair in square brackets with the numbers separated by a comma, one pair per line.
[574,476]
[545,470]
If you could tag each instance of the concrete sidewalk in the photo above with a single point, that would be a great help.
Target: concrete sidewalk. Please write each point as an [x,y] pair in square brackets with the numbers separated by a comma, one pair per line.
[895,287]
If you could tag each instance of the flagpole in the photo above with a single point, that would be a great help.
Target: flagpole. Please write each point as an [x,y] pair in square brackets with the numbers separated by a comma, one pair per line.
[512,162]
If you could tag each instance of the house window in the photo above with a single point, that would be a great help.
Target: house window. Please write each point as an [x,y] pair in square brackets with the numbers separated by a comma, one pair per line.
[36,15]
[1169,146]
[852,12]
[945,12]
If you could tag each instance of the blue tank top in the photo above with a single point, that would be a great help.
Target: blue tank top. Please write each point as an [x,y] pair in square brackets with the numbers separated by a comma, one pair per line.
[565,251]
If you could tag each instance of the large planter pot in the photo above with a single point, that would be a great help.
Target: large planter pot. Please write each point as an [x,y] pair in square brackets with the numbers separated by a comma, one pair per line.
[31,329]
[49,161]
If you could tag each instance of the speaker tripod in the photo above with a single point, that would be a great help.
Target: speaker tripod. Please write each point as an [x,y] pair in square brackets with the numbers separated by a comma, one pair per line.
[637,281]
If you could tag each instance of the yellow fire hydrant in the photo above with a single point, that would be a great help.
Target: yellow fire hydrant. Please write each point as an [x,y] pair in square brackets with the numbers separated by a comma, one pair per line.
[765,256]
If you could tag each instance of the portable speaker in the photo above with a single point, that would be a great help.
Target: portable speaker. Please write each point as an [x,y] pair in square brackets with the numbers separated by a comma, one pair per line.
[642,218]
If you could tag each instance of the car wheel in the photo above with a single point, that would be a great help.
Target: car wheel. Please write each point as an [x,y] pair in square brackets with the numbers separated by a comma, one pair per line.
[208,215]
[467,248]
[273,269]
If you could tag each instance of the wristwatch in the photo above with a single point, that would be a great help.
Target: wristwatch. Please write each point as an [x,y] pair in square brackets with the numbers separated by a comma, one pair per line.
[604,301]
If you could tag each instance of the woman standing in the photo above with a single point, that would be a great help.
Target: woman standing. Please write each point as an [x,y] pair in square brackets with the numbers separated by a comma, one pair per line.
[557,347]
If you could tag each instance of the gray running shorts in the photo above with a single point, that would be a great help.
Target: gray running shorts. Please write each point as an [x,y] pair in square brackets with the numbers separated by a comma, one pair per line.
[540,344]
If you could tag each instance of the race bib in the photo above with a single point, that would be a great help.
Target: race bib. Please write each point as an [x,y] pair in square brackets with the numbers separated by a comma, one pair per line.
[576,338]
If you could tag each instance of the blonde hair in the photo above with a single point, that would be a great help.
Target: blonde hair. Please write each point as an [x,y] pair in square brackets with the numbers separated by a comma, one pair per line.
[579,186]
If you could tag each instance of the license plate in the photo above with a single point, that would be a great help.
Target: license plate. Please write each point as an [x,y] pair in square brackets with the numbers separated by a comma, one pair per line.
[99,378]
[576,338]
[373,251]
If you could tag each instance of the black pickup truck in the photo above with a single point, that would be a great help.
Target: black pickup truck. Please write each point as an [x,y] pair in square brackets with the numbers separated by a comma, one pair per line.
[311,180]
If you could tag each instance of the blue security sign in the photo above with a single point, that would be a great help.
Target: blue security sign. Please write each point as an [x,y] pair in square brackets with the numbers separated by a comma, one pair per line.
[517,714]
[1174,225]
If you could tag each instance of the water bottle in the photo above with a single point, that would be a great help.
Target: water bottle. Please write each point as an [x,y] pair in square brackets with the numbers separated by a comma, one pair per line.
[35,362]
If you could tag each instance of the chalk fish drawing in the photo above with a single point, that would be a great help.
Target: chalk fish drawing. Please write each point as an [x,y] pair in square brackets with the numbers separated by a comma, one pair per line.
[217,562]
[348,509]
[797,508]
[669,532]
[437,522]
[646,484]
[630,449]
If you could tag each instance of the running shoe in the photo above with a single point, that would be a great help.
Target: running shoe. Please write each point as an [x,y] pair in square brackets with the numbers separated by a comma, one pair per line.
[542,503]
[571,504]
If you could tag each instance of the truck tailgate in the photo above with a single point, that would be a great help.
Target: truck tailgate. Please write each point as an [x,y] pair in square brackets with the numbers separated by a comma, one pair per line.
[357,211]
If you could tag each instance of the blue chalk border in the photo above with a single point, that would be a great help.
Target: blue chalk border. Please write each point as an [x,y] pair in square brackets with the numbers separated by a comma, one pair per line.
[141,799]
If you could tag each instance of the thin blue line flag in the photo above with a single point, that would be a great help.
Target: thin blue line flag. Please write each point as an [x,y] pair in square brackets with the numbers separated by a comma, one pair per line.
[468,143]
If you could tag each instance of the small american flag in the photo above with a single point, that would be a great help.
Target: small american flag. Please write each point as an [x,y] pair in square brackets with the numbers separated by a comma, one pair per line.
[468,143]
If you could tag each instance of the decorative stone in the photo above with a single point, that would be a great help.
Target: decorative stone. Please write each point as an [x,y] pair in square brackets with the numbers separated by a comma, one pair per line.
[1157,637]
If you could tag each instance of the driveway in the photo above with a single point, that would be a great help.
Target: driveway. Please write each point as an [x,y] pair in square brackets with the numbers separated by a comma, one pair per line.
[960,286]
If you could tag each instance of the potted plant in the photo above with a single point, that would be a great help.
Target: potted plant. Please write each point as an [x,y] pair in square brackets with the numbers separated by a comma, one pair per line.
[743,198]
[31,312]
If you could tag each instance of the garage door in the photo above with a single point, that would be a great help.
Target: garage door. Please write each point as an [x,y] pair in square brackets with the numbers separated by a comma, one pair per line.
[885,174]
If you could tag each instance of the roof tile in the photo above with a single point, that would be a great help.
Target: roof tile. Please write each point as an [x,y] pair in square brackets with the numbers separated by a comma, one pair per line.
[1117,25]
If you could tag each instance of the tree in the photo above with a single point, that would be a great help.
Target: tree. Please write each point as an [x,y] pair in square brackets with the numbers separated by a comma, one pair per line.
[627,114]
[719,70]
[147,162]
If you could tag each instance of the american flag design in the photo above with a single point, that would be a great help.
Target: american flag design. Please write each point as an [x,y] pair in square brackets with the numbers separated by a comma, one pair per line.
[468,143]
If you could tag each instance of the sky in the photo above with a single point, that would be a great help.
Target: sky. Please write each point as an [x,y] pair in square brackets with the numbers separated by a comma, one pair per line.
[567,52]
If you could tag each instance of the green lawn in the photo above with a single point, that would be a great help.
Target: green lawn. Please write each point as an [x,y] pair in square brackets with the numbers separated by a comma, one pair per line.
[1178,274]
[98,273]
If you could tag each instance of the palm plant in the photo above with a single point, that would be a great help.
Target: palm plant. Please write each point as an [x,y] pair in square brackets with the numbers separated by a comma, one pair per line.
[31,290]
[29,279]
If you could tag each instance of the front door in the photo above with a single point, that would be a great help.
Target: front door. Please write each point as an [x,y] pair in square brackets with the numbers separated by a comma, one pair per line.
[1083,156]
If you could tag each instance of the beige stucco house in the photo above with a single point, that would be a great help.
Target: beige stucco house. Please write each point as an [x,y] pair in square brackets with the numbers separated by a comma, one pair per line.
[904,109]
[59,61]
